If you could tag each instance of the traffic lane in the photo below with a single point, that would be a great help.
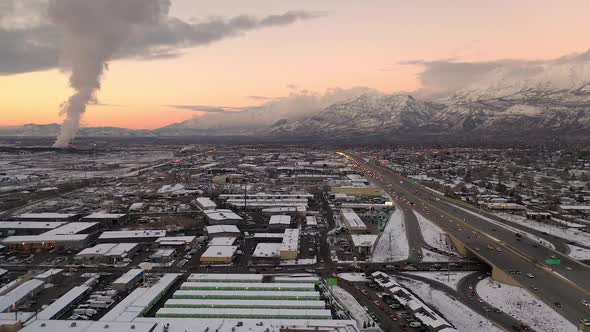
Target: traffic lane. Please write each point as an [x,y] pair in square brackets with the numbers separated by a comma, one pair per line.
[582,279]
[552,280]
[466,290]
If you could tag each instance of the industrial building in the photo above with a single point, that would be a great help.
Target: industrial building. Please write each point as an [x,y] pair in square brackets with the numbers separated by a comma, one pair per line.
[222,217]
[9,228]
[140,236]
[106,218]
[205,203]
[279,222]
[219,254]
[363,243]
[352,221]
[128,280]
[107,253]
[290,244]
[223,231]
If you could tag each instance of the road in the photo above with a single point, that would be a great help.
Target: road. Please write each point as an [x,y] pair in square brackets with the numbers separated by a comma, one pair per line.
[567,284]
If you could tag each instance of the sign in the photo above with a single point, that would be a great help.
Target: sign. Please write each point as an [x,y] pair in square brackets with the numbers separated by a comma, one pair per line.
[331,281]
[553,261]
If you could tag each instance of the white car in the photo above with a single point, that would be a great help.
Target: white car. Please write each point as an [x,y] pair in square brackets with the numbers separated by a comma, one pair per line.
[530,275]
[586,303]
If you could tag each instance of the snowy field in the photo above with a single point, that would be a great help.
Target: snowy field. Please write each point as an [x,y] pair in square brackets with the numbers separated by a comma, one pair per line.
[578,252]
[461,316]
[523,306]
[515,230]
[392,244]
[570,234]
[353,276]
[349,303]
[434,235]
[429,256]
[449,279]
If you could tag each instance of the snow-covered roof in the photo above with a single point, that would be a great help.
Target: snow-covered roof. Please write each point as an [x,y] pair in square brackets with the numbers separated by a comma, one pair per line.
[30,224]
[290,240]
[225,277]
[222,229]
[363,240]
[280,219]
[17,294]
[220,251]
[132,234]
[65,300]
[267,250]
[222,241]
[103,215]
[72,228]
[222,214]
[46,215]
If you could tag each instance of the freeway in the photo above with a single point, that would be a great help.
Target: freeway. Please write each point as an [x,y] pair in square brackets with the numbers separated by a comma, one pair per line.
[563,287]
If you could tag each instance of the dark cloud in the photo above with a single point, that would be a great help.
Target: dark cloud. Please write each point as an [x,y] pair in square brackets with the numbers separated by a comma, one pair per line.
[442,77]
[30,42]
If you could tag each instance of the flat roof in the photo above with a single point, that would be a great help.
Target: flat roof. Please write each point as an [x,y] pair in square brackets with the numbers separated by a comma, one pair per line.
[290,240]
[104,215]
[46,215]
[222,241]
[175,240]
[206,202]
[220,251]
[363,240]
[245,293]
[352,219]
[311,221]
[244,303]
[224,276]
[140,300]
[268,235]
[243,312]
[51,238]
[280,219]
[108,249]
[62,302]
[87,326]
[297,278]
[30,224]
[247,285]
[222,229]
[133,234]
[72,228]
[18,293]
[222,214]
[48,274]
[267,250]
[128,276]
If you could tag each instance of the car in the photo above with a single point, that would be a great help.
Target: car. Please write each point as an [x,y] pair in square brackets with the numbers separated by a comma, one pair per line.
[486,309]
[585,322]
[415,324]
[586,303]
[364,292]
[558,304]
[530,275]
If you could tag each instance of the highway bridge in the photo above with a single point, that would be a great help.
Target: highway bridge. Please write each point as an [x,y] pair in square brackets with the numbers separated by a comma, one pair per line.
[515,259]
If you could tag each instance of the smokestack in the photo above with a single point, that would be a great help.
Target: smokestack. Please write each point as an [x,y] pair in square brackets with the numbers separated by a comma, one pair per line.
[92,33]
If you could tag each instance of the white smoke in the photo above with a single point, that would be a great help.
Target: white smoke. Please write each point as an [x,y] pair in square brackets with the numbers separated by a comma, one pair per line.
[93,31]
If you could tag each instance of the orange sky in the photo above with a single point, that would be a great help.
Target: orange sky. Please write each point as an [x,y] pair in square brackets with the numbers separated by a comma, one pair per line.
[348,47]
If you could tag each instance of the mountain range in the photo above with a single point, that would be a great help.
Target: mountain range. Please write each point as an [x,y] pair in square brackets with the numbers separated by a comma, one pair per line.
[516,111]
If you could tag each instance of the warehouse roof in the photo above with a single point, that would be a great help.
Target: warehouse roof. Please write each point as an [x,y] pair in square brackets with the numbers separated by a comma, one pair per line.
[267,250]
[222,229]
[220,251]
[132,234]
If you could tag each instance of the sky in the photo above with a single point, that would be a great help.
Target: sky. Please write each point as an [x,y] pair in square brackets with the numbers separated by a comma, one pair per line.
[390,46]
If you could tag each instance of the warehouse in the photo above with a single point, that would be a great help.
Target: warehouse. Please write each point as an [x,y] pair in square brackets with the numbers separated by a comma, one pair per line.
[9,228]
[267,253]
[107,218]
[176,241]
[222,217]
[266,286]
[268,237]
[244,313]
[163,255]
[107,253]
[225,277]
[128,280]
[61,243]
[48,216]
[223,231]
[63,304]
[363,243]
[205,203]
[270,304]
[279,222]
[141,236]
[11,300]
[222,241]
[352,221]
[255,295]
[290,244]
[140,300]
[219,255]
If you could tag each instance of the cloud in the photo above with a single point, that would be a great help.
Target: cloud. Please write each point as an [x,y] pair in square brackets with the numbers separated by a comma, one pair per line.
[292,107]
[30,42]
[442,77]
[206,108]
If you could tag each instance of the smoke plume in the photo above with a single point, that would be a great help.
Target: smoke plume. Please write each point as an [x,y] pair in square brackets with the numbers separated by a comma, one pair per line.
[92,32]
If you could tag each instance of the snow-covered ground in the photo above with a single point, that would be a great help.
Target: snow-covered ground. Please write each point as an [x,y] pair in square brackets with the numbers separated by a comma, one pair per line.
[520,304]
[392,244]
[429,256]
[434,235]
[570,234]
[353,276]
[349,303]
[450,279]
[461,316]
[513,229]
[578,253]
